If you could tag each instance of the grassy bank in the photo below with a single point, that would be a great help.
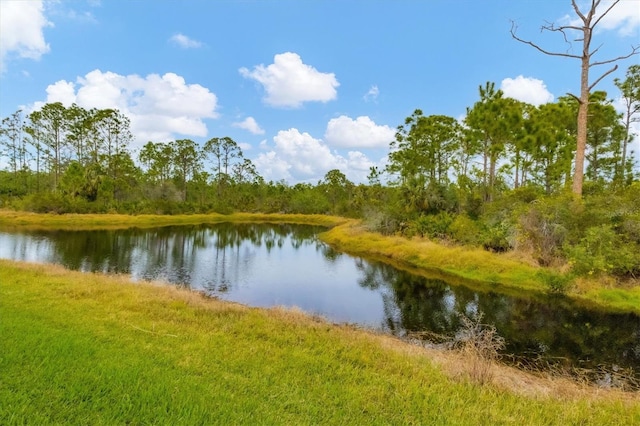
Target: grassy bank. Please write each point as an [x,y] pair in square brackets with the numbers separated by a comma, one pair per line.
[478,268]
[90,349]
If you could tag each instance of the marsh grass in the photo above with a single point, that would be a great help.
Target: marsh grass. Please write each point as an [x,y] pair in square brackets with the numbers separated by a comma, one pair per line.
[26,220]
[90,349]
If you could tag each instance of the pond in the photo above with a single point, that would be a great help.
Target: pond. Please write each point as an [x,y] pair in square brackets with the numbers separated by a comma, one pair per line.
[269,265]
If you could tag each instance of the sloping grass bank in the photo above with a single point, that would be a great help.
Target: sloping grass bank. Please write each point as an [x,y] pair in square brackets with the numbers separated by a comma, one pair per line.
[475,267]
[79,348]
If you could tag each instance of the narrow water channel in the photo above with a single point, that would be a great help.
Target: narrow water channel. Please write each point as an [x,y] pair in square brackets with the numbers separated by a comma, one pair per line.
[269,265]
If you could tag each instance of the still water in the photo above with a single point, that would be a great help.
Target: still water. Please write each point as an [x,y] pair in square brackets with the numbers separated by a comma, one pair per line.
[270,265]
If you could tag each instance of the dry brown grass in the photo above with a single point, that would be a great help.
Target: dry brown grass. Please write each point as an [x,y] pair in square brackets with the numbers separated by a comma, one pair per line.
[543,386]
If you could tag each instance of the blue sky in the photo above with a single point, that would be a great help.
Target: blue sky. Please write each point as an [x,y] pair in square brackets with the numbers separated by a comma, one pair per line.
[302,86]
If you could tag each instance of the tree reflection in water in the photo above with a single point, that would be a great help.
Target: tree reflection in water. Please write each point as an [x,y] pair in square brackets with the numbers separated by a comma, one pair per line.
[550,328]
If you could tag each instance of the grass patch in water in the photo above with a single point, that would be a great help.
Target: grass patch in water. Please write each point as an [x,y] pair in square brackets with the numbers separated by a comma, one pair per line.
[623,300]
[90,349]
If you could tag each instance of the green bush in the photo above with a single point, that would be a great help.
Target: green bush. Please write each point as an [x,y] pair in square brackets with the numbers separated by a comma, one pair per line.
[309,201]
[496,237]
[526,194]
[465,230]
[542,226]
[43,202]
[433,226]
[601,251]
[630,227]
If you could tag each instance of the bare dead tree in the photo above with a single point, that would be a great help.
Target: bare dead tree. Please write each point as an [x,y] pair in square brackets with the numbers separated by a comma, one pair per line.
[590,20]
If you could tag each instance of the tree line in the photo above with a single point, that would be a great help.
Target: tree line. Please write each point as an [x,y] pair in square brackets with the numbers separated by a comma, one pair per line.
[500,179]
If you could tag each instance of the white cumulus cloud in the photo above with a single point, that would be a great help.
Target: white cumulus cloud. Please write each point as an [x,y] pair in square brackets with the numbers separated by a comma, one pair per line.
[624,17]
[250,125]
[526,89]
[159,107]
[184,42]
[359,133]
[299,157]
[288,82]
[62,91]
[272,167]
[21,30]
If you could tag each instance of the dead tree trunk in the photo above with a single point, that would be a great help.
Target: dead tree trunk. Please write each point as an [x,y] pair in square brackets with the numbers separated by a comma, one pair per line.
[589,21]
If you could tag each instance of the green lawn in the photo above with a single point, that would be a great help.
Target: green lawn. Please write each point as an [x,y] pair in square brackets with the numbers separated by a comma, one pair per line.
[90,349]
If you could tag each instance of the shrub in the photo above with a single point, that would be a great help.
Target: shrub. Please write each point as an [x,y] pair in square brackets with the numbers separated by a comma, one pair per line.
[541,228]
[630,227]
[496,237]
[380,221]
[43,202]
[433,226]
[602,250]
[309,202]
[465,230]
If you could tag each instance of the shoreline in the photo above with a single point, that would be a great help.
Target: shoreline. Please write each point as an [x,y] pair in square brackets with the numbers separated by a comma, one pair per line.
[458,265]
